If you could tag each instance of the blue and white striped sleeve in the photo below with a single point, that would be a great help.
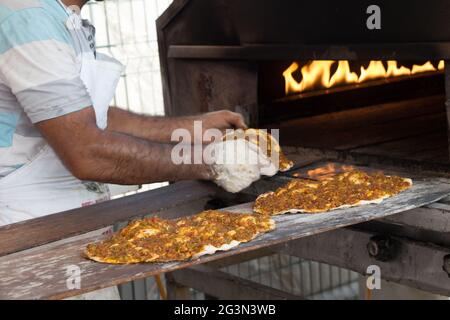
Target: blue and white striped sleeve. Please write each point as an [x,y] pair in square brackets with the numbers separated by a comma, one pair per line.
[38,63]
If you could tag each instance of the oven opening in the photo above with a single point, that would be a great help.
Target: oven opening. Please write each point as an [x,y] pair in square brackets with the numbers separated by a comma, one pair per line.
[391,108]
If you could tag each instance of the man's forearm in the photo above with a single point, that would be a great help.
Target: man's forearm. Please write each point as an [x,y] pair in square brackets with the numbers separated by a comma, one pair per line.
[152,128]
[112,157]
[121,159]
[160,129]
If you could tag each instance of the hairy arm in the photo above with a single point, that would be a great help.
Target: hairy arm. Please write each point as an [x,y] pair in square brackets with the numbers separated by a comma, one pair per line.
[113,157]
[159,129]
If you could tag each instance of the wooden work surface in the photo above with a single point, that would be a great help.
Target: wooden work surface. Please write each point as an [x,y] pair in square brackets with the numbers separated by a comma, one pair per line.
[41,273]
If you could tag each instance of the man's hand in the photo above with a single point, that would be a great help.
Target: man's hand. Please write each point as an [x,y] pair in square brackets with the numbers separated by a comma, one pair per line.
[223,120]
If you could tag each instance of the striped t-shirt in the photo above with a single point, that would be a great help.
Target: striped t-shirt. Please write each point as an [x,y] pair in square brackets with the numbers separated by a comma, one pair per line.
[40,47]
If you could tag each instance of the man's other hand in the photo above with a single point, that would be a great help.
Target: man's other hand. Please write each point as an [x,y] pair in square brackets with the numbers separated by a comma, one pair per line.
[223,120]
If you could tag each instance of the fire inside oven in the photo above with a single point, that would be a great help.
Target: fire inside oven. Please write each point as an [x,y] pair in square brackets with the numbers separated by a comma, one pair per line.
[393,108]
[322,75]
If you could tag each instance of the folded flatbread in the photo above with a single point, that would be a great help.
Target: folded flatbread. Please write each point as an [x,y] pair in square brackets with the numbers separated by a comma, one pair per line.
[264,140]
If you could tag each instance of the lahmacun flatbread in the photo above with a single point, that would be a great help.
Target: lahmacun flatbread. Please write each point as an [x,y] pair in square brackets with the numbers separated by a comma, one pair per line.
[213,231]
[344,190]
[260,138]
[159,240]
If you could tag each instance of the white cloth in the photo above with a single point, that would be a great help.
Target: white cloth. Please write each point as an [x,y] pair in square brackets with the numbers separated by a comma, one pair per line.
[239,163]
[101,75]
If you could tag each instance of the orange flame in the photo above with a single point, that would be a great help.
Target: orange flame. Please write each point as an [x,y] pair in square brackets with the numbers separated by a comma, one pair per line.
[326,170]
[329,170]
[317,74]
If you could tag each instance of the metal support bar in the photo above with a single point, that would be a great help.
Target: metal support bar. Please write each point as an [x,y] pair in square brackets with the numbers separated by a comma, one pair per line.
[380,51]
[419,265]
[239,258]
[175,291]
[222,285]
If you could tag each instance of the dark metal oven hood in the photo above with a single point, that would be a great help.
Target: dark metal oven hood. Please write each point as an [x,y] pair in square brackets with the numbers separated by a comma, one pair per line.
[293,29]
